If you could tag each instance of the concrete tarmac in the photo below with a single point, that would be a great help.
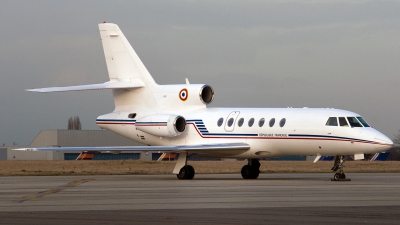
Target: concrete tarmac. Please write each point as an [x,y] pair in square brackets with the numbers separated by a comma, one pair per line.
[207,199]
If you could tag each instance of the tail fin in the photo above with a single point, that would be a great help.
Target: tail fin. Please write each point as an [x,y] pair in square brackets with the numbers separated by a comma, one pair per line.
[125,69]
[123,63]
[130,81]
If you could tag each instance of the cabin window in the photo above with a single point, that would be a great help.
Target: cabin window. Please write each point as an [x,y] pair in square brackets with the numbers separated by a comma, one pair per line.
[271,122]
[282,122]
[343,122]
[230,122]
[332,121]
[251,122]
[365,124]
[220,121]
[261,122]
[240,122]
[132,115]
[354,122]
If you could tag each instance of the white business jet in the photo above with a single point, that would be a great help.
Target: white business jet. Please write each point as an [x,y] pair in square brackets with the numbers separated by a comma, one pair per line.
[175,119]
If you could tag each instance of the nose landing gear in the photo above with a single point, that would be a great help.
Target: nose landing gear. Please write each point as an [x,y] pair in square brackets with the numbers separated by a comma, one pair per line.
[338,165]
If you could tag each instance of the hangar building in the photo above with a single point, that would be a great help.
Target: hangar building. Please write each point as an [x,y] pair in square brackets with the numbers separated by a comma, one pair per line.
[73,138]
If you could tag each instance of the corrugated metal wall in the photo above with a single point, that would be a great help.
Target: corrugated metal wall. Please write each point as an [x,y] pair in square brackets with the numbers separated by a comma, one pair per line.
[3,153]
[46,138]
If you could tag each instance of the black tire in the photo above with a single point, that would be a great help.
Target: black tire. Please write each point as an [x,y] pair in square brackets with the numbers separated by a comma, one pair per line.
[182,174]
[186,173]
[336,176]
[254,173]
[190,171]
[342,176]
[246,172]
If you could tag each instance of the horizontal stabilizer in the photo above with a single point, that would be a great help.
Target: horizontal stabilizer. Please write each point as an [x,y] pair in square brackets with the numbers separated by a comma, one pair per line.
[234,147]
[107,85]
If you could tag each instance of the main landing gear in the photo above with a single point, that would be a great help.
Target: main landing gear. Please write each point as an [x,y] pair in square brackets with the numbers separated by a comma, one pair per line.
[186,172]
[251,170]
[338,165]
[182,170]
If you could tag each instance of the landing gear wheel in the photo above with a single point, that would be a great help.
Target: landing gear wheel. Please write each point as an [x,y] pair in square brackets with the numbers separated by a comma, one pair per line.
[249,172]
[339,176]
[186,173]
[338,167]
[255,174]
[182,174]
[190,169]
[246,172]
[336,177]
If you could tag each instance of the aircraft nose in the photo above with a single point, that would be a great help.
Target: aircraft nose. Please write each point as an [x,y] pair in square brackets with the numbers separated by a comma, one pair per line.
[383,142]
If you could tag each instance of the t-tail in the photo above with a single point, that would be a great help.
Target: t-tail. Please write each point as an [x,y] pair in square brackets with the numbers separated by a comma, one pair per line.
[132,85]
[125,66]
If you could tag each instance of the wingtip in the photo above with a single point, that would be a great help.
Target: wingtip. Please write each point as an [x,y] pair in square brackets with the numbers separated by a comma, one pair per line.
[25,149]
[33,90]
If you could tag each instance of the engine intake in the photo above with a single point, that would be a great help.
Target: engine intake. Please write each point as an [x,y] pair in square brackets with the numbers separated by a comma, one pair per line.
[207,94]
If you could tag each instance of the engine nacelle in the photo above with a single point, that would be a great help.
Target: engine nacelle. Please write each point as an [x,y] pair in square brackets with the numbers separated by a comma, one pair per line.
[184,96]
[206,94]
[162,125]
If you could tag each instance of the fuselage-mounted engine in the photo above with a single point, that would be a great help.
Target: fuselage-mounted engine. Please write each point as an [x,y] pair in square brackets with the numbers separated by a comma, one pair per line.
[162,125]
[206,94]
[184,96]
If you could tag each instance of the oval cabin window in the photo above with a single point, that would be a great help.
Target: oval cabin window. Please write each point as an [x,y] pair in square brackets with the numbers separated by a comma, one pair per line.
[220,121]
[282,122]
[271,122]
[230,122]
[240,122]
[261,122]
[251,122]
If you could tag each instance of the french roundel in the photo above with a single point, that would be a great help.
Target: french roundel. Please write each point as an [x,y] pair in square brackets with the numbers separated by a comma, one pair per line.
[183,94]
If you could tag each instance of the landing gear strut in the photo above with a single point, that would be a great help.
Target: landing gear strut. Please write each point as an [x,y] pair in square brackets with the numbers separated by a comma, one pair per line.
[251,170]
[338,165]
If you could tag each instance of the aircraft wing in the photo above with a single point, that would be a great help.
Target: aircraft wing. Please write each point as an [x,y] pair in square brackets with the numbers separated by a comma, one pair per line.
[106,85]
[227,148]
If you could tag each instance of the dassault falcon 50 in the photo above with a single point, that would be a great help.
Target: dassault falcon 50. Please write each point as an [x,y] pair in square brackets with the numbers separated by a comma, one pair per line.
[176,119]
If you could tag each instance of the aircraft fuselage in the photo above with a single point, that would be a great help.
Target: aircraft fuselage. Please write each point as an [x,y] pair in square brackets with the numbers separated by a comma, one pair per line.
[270,132]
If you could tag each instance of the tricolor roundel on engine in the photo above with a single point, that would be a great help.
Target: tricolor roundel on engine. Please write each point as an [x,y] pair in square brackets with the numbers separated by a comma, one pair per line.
[183,94]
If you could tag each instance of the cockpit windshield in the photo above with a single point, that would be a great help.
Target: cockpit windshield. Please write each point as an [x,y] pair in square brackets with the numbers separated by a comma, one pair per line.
[354,122]
[332,121]
[343,122]
[365,124]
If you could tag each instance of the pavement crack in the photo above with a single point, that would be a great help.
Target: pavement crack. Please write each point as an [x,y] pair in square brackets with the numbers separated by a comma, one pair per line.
[41,194]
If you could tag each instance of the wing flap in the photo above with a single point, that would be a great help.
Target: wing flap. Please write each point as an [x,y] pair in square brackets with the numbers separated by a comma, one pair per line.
[106,85]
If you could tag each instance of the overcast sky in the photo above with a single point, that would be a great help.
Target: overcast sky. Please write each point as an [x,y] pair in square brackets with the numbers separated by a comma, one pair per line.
[335,54]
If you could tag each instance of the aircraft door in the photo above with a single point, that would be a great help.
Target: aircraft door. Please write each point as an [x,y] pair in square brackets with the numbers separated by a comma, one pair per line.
[231,120]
